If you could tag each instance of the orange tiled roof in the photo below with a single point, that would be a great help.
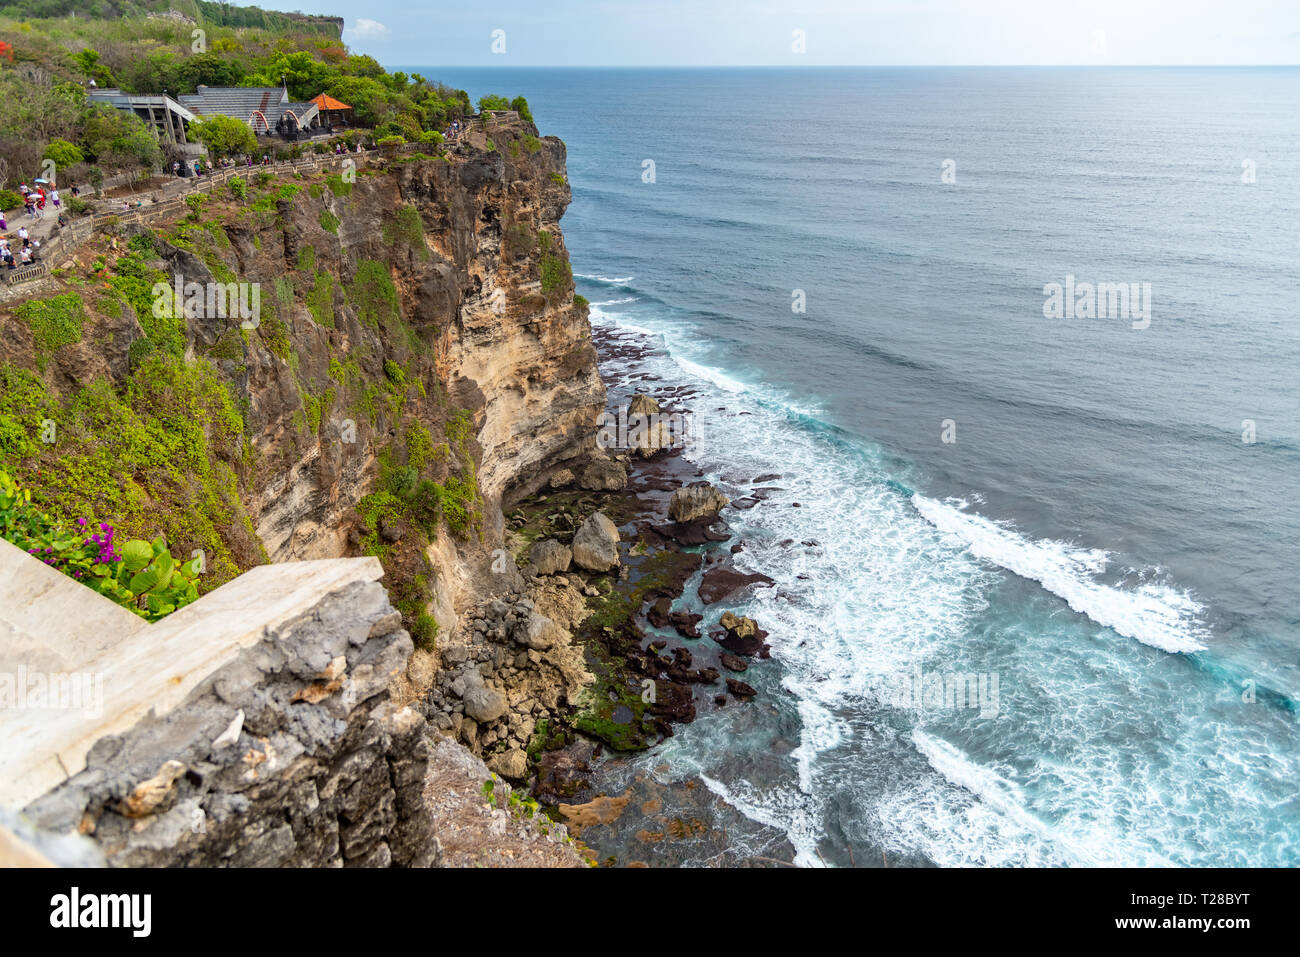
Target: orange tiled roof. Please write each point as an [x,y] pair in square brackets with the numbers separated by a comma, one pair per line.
[329,103]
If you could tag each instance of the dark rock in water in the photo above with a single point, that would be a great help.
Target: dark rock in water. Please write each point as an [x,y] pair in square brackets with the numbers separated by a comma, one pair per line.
[682,657]
[679,673]
[720,700]
[747,502]
[659,612]
[690,533]
[719,583]
[766,478]
[673,701]
[707,676]
[562,774]
[740,689]
[810,543]
[733,663]
[795,505]
[748,645]
[737,548]
[685,623]
[658,646]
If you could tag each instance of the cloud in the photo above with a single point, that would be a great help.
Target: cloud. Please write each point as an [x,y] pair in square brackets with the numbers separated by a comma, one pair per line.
[368,29]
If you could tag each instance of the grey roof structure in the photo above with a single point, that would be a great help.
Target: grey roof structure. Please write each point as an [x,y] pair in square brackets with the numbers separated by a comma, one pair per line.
[261,107]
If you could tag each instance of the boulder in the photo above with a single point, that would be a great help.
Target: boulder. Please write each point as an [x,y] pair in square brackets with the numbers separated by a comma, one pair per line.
[537,632]
[595,546]
[482,703]
[733,663]
[642,405]
[604,475]
[740,690]
[738,627]
[512,764]
[694,502]
[562,478]
[549,556]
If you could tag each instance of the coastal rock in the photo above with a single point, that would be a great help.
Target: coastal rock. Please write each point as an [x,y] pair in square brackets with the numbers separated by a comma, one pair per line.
[562,479]
[537,632]
[604,475]
[642,405]
[696,501]
[561,774]
[740,690]
[595,547]
[738,627]
[513,764]
[685,623]
[720,583]
[549,556]
[733,663]
[483,704]
[658,613]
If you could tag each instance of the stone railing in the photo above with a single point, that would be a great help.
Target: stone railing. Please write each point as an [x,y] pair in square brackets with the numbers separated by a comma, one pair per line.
[253,726]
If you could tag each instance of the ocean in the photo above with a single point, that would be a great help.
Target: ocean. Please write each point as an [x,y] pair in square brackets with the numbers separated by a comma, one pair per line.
[1085,519]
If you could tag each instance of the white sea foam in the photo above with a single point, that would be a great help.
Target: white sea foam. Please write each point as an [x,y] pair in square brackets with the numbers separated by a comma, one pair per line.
[896,582]
[615,281]
[716,376]
[615,302]
[1156,615]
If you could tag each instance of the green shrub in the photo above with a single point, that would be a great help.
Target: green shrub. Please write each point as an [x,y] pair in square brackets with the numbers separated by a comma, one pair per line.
[329,222]
[424,631]
[138,575]
[338,185]
[55,323]
[9,200]
[556,274]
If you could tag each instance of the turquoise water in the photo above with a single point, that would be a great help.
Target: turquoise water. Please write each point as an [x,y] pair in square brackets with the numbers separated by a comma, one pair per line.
[1098,539]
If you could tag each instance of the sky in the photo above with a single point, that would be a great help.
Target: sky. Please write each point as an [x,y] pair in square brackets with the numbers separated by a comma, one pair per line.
[833,32]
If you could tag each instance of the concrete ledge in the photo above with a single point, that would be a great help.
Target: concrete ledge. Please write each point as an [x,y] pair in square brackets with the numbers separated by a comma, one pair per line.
[50,622]
[137,667]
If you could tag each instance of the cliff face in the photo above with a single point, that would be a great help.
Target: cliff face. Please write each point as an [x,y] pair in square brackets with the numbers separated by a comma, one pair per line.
[418,358]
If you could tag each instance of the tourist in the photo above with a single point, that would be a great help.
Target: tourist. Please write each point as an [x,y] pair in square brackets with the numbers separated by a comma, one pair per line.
[54,198]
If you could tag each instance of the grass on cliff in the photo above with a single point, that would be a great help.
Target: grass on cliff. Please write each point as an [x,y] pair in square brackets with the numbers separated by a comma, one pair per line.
[153,458]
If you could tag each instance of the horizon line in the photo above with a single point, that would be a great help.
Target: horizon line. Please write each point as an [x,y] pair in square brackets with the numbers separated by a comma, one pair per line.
[859,66]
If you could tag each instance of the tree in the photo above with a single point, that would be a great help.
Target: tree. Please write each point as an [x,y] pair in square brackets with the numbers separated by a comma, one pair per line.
[520,106]
[63,153]
[224,135]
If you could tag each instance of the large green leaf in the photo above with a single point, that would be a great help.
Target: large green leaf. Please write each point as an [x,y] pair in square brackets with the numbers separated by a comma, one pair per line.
[137,554]
[143,581]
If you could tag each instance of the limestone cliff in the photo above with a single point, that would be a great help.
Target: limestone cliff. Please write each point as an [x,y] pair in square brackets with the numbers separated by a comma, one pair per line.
[418,358]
